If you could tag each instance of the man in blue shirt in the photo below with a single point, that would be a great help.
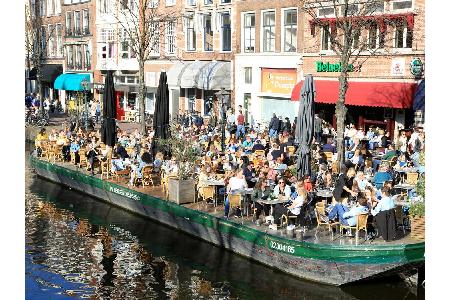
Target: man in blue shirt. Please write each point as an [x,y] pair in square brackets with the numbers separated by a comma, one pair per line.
[381,177]
[386,202]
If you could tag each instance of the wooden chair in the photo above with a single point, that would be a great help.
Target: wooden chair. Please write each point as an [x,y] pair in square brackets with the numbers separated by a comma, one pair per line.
[260,152]
[329,156]
[235,201]
[320,216]
[56,153]
[147,179]
[412,178]
[105,166]
[46,150]
[83,158]
[291,150]
[400,218]
[334,167]
[122,174]
[72,157]
[361,224]
[206,192]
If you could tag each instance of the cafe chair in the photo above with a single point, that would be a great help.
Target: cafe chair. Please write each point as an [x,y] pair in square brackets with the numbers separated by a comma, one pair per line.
[122,174]
[206,192]
[105,167]
[260,152]
[46,150]
[235,202]
[322,218]
[361,224]
[56,153]
[329,156]
[83,158]
[290,150]
[401,218]
[147,179]
[412,178]
[72,157]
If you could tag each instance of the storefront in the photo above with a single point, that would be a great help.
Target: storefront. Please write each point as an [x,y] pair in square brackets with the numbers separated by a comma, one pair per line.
[49,73]
[71,89]
[193,84]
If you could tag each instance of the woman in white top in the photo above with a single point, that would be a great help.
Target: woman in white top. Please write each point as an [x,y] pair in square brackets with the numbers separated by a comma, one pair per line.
[236,183]
[282,191]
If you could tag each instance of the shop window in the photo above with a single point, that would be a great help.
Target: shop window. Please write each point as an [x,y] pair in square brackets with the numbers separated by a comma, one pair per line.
[247,105]
[249,32]
[191,100]
[132,101]
[208,35]
[248,75]
[269,31]
[290,30]
[208,105]
[150,102]
[225,33]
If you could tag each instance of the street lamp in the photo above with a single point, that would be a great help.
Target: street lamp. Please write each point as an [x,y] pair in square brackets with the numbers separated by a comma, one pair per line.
[223,97]
[86,86]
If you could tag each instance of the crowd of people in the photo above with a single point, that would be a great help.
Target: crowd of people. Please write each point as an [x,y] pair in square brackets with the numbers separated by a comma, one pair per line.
[262,160]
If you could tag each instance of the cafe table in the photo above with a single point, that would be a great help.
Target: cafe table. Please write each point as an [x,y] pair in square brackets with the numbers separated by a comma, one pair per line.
[272,202]
[216,183]
[324,193]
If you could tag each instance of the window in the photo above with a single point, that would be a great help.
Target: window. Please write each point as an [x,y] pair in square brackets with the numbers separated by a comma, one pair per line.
[104,6]
[78,55]
[126,51]
[326,38]
[170,2]
[190,34]
[326,12]
[290,30]
[352,9]
[403,36]
[374,7]
[68,23]
[208,2]
[191,2]
[150,102]
[170,37]
[59,44]
[401,4]
[153,3]
[269,31]
[356,37]
[154,40]
[51,41]
[43,39]
[225,33]
[208,103]
[69,56]
[208,35]
[132,5]
[225,1]
[77,23]
[191,100]
[249,32]
[57,7]
[87,57]
[248,75]
[86,22]
[42,8]
[50,7]
[375,39]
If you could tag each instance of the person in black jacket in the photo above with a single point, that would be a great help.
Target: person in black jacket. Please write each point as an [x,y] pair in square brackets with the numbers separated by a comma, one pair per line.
[287,125]
[273,126]
[257,146]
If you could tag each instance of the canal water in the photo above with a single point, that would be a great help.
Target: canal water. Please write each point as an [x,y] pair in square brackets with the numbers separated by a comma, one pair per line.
[78,247]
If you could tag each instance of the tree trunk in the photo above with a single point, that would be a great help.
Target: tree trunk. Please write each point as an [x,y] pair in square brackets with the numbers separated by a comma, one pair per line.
[142,92]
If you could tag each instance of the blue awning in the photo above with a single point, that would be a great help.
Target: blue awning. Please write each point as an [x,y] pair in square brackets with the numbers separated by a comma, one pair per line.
[419,97]
[71,81]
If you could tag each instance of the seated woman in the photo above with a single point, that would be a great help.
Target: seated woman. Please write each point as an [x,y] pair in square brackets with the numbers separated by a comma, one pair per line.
[261,191]
[362,181]
[384,215]
[358,160]
[118,163]
[344,184]
[40,137]
[236,182]
[74,148]
[294,209]
[137,169]
[348,216]
[62,140]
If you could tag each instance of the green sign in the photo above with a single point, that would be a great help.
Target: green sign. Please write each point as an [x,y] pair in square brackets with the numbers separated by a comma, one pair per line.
[327,67]
[416,67]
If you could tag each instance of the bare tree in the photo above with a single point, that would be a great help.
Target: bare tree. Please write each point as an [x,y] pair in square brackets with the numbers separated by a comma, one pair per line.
[355,31]
[143,23]
[36,41]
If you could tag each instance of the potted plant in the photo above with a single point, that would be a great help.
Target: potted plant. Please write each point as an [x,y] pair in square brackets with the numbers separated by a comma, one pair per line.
[417,208]
[182,186]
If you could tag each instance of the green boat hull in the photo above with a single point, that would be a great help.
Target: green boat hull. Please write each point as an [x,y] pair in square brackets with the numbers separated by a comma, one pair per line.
[325,263]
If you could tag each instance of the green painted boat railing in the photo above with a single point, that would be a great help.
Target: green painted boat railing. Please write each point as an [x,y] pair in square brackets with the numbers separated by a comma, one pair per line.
[365,254]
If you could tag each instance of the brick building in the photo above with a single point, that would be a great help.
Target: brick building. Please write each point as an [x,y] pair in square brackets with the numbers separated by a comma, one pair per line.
[381,85]
[49,12]
[268,57]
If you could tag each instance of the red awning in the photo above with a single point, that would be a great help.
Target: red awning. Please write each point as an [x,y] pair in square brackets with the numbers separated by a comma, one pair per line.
[382,94]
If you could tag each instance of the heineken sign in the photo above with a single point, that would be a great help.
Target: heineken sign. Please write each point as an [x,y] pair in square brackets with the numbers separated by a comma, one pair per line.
[416,67]
[337,67]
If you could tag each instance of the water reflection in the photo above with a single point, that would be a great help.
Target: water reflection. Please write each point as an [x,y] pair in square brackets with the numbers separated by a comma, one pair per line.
[77,246]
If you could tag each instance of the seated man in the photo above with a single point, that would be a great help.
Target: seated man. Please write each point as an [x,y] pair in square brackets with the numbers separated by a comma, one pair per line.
[329,146]
[389,154]
[247,145]
[384,214]
[382,176]
[348,216]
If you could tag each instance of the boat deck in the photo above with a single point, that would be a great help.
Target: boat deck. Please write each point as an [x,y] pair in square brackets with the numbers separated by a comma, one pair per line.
[312,234]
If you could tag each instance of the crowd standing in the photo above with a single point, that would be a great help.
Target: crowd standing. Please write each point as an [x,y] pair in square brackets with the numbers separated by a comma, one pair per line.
[261,161]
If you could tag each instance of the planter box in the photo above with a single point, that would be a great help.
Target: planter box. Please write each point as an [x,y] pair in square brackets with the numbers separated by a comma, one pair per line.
[418,228]
[181,191]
